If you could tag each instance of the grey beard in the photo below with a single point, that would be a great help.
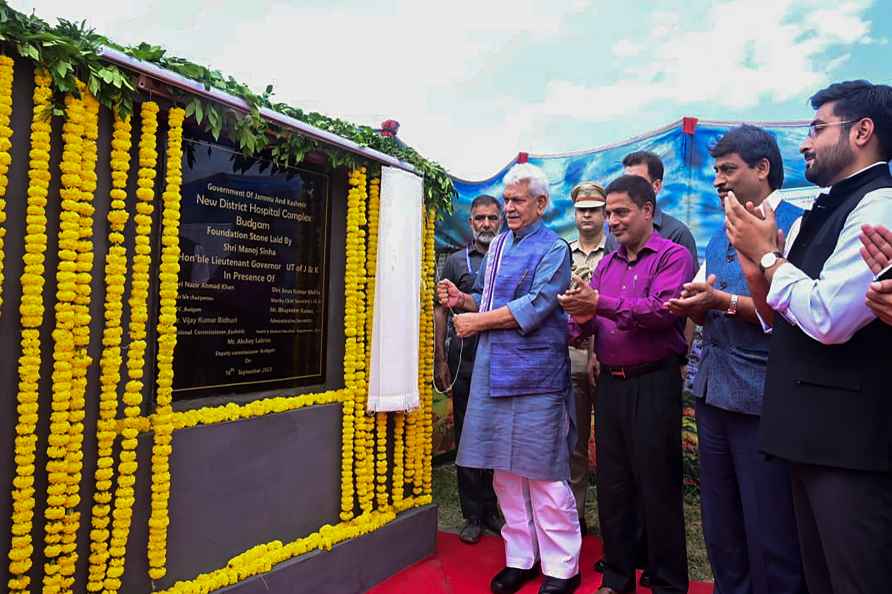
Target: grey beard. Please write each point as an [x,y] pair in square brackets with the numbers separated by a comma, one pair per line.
[484,237]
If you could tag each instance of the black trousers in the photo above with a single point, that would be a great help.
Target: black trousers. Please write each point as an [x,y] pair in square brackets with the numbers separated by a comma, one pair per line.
[638,436]
[845,528]
[475,492]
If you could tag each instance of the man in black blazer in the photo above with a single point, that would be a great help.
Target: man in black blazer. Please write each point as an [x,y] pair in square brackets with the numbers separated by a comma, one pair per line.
[828,406]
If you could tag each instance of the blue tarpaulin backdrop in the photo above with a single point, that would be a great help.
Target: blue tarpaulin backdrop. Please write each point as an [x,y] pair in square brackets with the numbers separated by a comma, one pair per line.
[687,184]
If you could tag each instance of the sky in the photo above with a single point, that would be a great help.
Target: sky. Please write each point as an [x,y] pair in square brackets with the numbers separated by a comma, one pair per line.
[474,83]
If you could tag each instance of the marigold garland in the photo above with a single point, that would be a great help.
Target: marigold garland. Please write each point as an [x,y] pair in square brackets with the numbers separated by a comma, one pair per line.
[110,361]
[262,558]
[31,313]
[167,340]
[139,315]
[6,72]
[413,469]
[426,349]
[365,449]
[353,435]
[81,335]
[231,411]
[366,474]
[374,207]
[396,480]
[64,418]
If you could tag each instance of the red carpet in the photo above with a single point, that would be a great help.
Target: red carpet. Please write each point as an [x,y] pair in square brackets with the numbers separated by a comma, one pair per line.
[466,569]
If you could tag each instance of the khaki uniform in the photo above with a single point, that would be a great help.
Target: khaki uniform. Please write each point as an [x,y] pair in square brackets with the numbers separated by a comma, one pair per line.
[583,389]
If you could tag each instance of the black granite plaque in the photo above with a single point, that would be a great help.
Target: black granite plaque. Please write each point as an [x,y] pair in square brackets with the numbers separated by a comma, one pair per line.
[252,285]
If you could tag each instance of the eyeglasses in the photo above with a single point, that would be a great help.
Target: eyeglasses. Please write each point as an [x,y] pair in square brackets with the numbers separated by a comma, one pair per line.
[814,129]
[481,218]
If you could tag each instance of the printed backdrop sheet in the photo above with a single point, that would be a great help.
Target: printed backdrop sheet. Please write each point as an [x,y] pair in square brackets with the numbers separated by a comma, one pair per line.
[688,193]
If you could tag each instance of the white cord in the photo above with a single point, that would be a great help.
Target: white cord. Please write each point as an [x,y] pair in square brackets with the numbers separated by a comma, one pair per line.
[461,348]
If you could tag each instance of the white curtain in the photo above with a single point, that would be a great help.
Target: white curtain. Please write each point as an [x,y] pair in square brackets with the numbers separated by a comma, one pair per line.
[393,377]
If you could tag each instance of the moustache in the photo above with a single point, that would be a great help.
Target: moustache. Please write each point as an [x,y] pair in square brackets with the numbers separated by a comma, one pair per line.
[809,155]
[485,236]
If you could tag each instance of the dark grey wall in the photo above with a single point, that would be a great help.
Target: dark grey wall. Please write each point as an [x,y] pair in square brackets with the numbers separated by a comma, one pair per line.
[234,485]
[239,484]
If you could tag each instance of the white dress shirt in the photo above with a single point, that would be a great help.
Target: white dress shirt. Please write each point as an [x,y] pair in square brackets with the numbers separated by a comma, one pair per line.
[831,308]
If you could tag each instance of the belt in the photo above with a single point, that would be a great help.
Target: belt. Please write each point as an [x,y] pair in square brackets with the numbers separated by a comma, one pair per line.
[630,371]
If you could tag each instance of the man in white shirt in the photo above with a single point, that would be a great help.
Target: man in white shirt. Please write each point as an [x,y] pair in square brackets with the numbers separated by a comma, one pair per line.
[826,407]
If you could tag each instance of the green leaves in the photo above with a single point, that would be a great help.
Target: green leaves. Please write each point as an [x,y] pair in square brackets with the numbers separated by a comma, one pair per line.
[215,120]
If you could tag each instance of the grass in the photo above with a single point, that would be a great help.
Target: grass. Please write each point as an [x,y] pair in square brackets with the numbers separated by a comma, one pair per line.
[450,519]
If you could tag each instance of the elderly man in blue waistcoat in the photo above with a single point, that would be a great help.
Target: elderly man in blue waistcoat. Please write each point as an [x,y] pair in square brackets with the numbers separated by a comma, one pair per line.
[748,520]
[519,420]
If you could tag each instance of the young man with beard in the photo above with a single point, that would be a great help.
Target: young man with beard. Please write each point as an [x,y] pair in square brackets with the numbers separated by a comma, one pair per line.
[639,345]
[827,407]
[748,521]
[475,493]
[519,420]
[588,249]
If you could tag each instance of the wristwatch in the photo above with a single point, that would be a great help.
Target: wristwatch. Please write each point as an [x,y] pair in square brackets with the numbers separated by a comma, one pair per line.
[732,307]
[769,260]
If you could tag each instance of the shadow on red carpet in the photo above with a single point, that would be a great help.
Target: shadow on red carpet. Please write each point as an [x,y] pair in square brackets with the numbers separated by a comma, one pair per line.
[458,568]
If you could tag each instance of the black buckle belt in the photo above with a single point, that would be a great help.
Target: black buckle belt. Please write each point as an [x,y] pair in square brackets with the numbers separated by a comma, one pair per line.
[630,371]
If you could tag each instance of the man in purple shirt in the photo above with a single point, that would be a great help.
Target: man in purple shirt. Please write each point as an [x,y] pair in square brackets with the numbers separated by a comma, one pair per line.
[638,418]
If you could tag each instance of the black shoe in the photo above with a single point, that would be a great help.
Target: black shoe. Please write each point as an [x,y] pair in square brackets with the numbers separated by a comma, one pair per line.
[510,579]
[470,533]
[583,526]
[646,579]
[553,585]
[600,565]
[493,522]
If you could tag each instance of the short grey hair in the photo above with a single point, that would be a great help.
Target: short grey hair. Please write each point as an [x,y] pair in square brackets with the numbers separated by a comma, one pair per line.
[535,177]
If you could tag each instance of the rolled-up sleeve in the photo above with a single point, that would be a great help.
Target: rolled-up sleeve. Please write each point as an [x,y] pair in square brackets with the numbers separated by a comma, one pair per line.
[551,277]
[648,311]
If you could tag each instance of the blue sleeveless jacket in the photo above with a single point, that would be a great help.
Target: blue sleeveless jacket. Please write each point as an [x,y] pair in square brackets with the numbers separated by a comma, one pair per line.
[735,352]
[537,362]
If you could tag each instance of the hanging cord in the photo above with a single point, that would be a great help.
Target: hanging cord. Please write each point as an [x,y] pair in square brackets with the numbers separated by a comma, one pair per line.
[461,348]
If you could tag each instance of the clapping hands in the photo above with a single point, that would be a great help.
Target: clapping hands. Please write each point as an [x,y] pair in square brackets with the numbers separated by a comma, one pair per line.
[696,299]
[877,253]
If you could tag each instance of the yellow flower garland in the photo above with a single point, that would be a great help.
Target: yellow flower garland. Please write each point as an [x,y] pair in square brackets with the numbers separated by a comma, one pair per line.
[354,356]
[413,449]
[139,315]
[6,72]
[381,464]
[110,361]
[80,334]
[396,480]
[167,340]
[366,476]
[31,315]
[64,417]
[261,558]
[365,440]
[426,350]
[371,270]
[211,415]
